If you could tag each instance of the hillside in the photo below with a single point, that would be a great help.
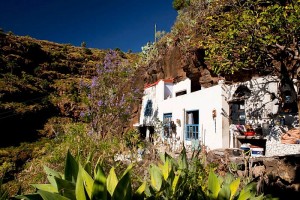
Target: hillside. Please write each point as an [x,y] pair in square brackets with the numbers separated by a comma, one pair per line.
[39,85]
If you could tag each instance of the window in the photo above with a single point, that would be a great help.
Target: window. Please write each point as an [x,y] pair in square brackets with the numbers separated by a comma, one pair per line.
[180,93]
[237,113]
[167,120]
[192,125]
[148,109]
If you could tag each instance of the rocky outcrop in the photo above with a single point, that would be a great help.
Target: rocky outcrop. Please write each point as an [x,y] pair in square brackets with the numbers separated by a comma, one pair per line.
[278,176]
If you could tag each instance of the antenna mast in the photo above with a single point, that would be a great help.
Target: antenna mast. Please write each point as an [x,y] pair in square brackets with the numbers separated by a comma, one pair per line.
[155,33]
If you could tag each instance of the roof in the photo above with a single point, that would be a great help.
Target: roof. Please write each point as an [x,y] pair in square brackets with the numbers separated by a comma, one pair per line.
[155,83]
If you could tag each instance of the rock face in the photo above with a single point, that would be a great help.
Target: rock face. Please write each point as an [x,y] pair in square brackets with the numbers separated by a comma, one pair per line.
[278,176]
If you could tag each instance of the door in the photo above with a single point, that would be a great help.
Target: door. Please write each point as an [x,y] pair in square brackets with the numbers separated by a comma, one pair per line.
[167,120]
[192,132]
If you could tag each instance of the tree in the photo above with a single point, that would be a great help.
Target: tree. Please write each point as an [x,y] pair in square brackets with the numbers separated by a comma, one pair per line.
[179,4]
[255,35]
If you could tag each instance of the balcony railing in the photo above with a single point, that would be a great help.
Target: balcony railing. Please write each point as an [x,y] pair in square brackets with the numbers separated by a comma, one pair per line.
[192,132]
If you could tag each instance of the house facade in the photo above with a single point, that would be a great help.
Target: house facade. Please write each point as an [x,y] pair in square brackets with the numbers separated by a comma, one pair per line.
[212,116]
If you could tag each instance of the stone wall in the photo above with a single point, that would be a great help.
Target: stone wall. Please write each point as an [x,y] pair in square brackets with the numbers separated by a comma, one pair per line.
[276,148]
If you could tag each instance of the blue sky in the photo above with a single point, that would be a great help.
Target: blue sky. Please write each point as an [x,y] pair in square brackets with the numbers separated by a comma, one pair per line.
[127,25]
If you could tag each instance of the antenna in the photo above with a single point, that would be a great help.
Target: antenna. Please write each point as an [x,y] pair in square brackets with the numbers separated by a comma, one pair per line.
[155,33]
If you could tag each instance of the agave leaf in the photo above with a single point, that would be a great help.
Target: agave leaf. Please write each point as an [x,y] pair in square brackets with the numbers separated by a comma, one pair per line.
[123,189]
[234,186]
[213,185]
[66,188]
[162,157]
[244,195]
[88,168]
[166,169]
[50,196]
[50,176]
[99,187]
[45,187]
[88,164]
[34,196]
[79,190]
[64,184]
[176,181]
[221,180]
[147,191]
[247,192]
[141,189]
[156,177]
[112,181]
[260,197]
[229,178]
[224,193]
[128,170]
[182,159]
[87,180]
[71,168]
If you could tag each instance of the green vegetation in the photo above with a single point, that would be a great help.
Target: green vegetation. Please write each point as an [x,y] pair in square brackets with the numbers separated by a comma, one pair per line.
[86,97]
[169,180]
[179,4]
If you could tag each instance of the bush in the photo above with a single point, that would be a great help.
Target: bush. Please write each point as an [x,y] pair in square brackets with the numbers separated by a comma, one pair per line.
[169,180]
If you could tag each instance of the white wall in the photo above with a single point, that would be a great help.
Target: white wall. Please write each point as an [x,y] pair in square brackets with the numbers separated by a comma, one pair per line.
[168,93]
[214,133]
[205,101]
[181,86]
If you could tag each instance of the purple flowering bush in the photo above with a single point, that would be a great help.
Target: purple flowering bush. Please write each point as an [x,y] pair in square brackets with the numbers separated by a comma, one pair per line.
[110,96]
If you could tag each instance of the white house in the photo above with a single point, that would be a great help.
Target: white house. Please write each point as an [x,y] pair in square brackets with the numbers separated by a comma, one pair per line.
[209,116]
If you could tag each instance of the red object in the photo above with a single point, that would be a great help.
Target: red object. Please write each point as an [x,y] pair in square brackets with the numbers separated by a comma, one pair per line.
[153,84]
[249,133]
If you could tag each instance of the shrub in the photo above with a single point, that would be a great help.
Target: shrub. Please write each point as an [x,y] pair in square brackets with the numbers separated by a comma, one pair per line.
[110,97]
[169,180]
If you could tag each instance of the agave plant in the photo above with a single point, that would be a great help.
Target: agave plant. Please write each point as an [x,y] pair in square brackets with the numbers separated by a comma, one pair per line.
[172,180]
[77,183]
[228,188]
[169,180]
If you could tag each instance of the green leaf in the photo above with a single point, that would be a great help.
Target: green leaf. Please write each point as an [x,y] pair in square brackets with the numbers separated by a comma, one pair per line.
[245,195]
[247,192]
[141,189]
[45,187]
[166,169]
[88,164]
[156,177]
[182,160]
[123,189]
[50,196]
[71,168]
[112,181]
[234,186]
[50,176]
[228,179]
[66,188]
[213,185]
[224,193]
[79,190]
[176,181]
[34,196]
[128,170]
[87,181]
[99,191]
